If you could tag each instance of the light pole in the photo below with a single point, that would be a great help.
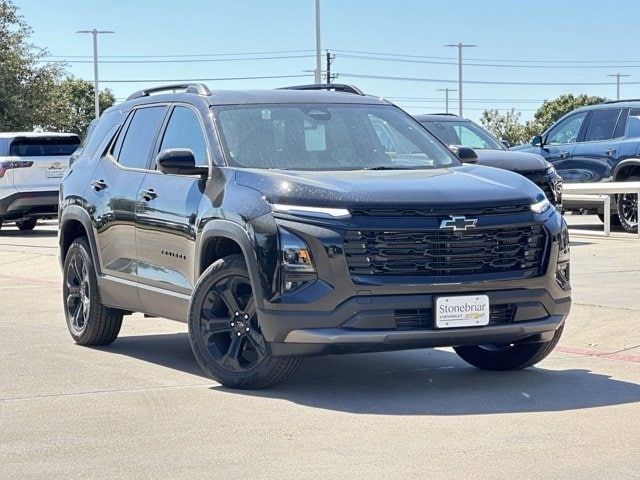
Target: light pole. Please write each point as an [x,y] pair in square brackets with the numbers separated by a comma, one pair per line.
[446,96]
[96,92]
[460,46]
[318,55]
[618,75]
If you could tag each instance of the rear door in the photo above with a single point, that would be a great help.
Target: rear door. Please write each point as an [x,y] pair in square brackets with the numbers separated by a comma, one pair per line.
[595,156]
[48,157]
[166,213]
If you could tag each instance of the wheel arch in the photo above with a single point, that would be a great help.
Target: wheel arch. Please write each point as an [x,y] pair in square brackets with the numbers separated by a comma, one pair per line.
[75,223]
[626,168]
[220,238]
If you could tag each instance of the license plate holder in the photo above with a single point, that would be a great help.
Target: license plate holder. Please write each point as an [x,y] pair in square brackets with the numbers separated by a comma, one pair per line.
[462,311]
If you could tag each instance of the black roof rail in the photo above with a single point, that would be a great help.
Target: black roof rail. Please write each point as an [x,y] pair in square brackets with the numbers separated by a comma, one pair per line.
[444,114]
[621,101]
[197,88]
[336,87]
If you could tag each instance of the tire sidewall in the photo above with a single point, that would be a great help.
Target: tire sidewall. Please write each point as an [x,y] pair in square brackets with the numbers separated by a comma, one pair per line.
[623,221]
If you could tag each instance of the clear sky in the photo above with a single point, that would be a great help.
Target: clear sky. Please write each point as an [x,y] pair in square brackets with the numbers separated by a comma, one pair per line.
[548,37]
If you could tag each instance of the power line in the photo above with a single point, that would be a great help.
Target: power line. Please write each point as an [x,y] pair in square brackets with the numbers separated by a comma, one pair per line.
[429,99]
[220,79]
[179,55]
[181,60]
[475,108]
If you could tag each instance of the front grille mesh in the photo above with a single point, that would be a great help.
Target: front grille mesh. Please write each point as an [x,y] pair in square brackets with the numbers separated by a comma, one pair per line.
[422,318]
[446,252]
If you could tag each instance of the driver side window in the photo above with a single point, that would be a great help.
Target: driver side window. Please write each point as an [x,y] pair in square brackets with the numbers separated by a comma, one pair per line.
[566,131]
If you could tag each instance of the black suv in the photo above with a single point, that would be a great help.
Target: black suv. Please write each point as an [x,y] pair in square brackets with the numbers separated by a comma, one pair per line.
[599,143]
[455,131]
[277,226]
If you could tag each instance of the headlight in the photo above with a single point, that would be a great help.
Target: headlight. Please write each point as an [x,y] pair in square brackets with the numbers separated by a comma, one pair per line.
[298,269]
[310,211]
[540,206]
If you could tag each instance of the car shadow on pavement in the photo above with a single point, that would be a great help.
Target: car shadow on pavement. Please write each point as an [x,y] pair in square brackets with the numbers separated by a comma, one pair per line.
[15,233]
[417,382]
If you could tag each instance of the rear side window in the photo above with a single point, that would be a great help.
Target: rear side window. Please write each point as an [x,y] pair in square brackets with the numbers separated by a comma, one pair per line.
[44,146]
[140,137]
[184,131]
[98,130]
[602,125]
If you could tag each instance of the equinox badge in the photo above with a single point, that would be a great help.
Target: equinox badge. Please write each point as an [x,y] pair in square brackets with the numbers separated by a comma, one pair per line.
[458,223]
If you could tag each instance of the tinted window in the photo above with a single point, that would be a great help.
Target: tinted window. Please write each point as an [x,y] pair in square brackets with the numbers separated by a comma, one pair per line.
[328,137]
[633,123]
[43,146]
[567,130]
[97,132]
[601,125]
[184,131]
[140,137]
[463,133]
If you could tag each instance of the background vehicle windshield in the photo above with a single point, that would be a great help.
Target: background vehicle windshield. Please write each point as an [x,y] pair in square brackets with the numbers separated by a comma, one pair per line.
[463,133]
[328,137]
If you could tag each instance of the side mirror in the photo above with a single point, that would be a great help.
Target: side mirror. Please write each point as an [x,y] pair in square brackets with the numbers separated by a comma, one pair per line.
[507,144]
[179,161]
[537,141]
[467,155]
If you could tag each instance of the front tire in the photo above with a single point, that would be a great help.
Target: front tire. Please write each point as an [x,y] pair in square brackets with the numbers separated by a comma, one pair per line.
[26,224]
[88,320]
[508,356]
[614,222]
[224,332]
[628,208]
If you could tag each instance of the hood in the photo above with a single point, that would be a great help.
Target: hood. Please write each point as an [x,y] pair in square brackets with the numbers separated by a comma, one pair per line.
[460,186]
[510,160]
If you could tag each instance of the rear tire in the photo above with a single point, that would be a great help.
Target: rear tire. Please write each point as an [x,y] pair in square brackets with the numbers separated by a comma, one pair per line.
[27,224]
[224,332]
[88,320]
[628,208]
[509,356]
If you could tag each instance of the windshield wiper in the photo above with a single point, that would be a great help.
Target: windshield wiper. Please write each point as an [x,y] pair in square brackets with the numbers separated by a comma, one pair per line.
[387,167]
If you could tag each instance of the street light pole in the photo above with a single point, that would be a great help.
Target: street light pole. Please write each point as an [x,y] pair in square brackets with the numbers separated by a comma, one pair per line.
[96,91]
[618,75]
[446,96]
[460,46]
[318,55]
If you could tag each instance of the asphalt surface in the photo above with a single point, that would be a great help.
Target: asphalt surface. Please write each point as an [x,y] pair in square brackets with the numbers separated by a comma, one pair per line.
[141,408]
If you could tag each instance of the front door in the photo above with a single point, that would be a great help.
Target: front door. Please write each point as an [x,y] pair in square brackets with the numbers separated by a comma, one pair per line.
[560,143]
[166,214]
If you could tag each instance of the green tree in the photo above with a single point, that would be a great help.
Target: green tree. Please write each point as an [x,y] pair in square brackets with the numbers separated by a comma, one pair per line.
[505,126]
[552,110]
[25,82]
[74,108]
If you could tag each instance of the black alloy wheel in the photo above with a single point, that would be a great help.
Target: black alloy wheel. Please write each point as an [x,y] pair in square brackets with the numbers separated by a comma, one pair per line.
[628,208]
[77,289]
[225,333]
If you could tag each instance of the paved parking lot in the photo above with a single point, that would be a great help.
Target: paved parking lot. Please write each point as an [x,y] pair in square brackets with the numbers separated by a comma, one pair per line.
[140,408]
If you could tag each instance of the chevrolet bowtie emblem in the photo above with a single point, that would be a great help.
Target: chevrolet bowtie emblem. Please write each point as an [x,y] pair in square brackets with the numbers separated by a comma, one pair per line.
[458,223]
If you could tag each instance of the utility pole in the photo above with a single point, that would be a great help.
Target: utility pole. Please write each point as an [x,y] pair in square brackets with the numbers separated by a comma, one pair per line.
[618,75]
[96,91]
[446,96]
[318,55]
[460,46]
[330,58]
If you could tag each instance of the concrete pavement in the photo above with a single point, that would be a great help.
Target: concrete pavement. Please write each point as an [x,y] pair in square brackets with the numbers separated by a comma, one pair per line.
[141,408]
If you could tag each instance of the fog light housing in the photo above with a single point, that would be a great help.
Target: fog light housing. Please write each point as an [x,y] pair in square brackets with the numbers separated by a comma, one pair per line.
[563,265]
[296,262]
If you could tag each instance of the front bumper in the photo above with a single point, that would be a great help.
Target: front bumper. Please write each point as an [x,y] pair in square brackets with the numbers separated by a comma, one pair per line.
[29,204]
[342,313]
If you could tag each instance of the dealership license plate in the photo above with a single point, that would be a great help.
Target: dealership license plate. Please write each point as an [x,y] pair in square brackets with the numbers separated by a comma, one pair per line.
[462,311]
[55,172]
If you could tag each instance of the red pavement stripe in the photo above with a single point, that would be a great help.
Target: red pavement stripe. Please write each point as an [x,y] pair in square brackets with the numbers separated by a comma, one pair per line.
[31,280]
[623,357]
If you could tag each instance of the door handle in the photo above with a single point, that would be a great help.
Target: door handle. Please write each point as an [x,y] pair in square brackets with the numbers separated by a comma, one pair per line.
[564,154]
[611,151]
[98,185]
[149,195]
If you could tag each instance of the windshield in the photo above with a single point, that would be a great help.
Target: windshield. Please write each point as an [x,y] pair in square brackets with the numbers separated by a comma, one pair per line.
[327,137]
[464,133]
[44,146]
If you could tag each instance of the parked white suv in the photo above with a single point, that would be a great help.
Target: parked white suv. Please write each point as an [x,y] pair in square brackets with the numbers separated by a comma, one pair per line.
[31,168]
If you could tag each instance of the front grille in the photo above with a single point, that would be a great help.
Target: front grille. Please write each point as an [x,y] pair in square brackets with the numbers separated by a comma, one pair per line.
[446,252]
[436,212]
[422,318]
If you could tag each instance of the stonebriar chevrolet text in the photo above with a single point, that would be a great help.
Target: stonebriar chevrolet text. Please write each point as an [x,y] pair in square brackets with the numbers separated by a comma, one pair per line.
[277,226]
